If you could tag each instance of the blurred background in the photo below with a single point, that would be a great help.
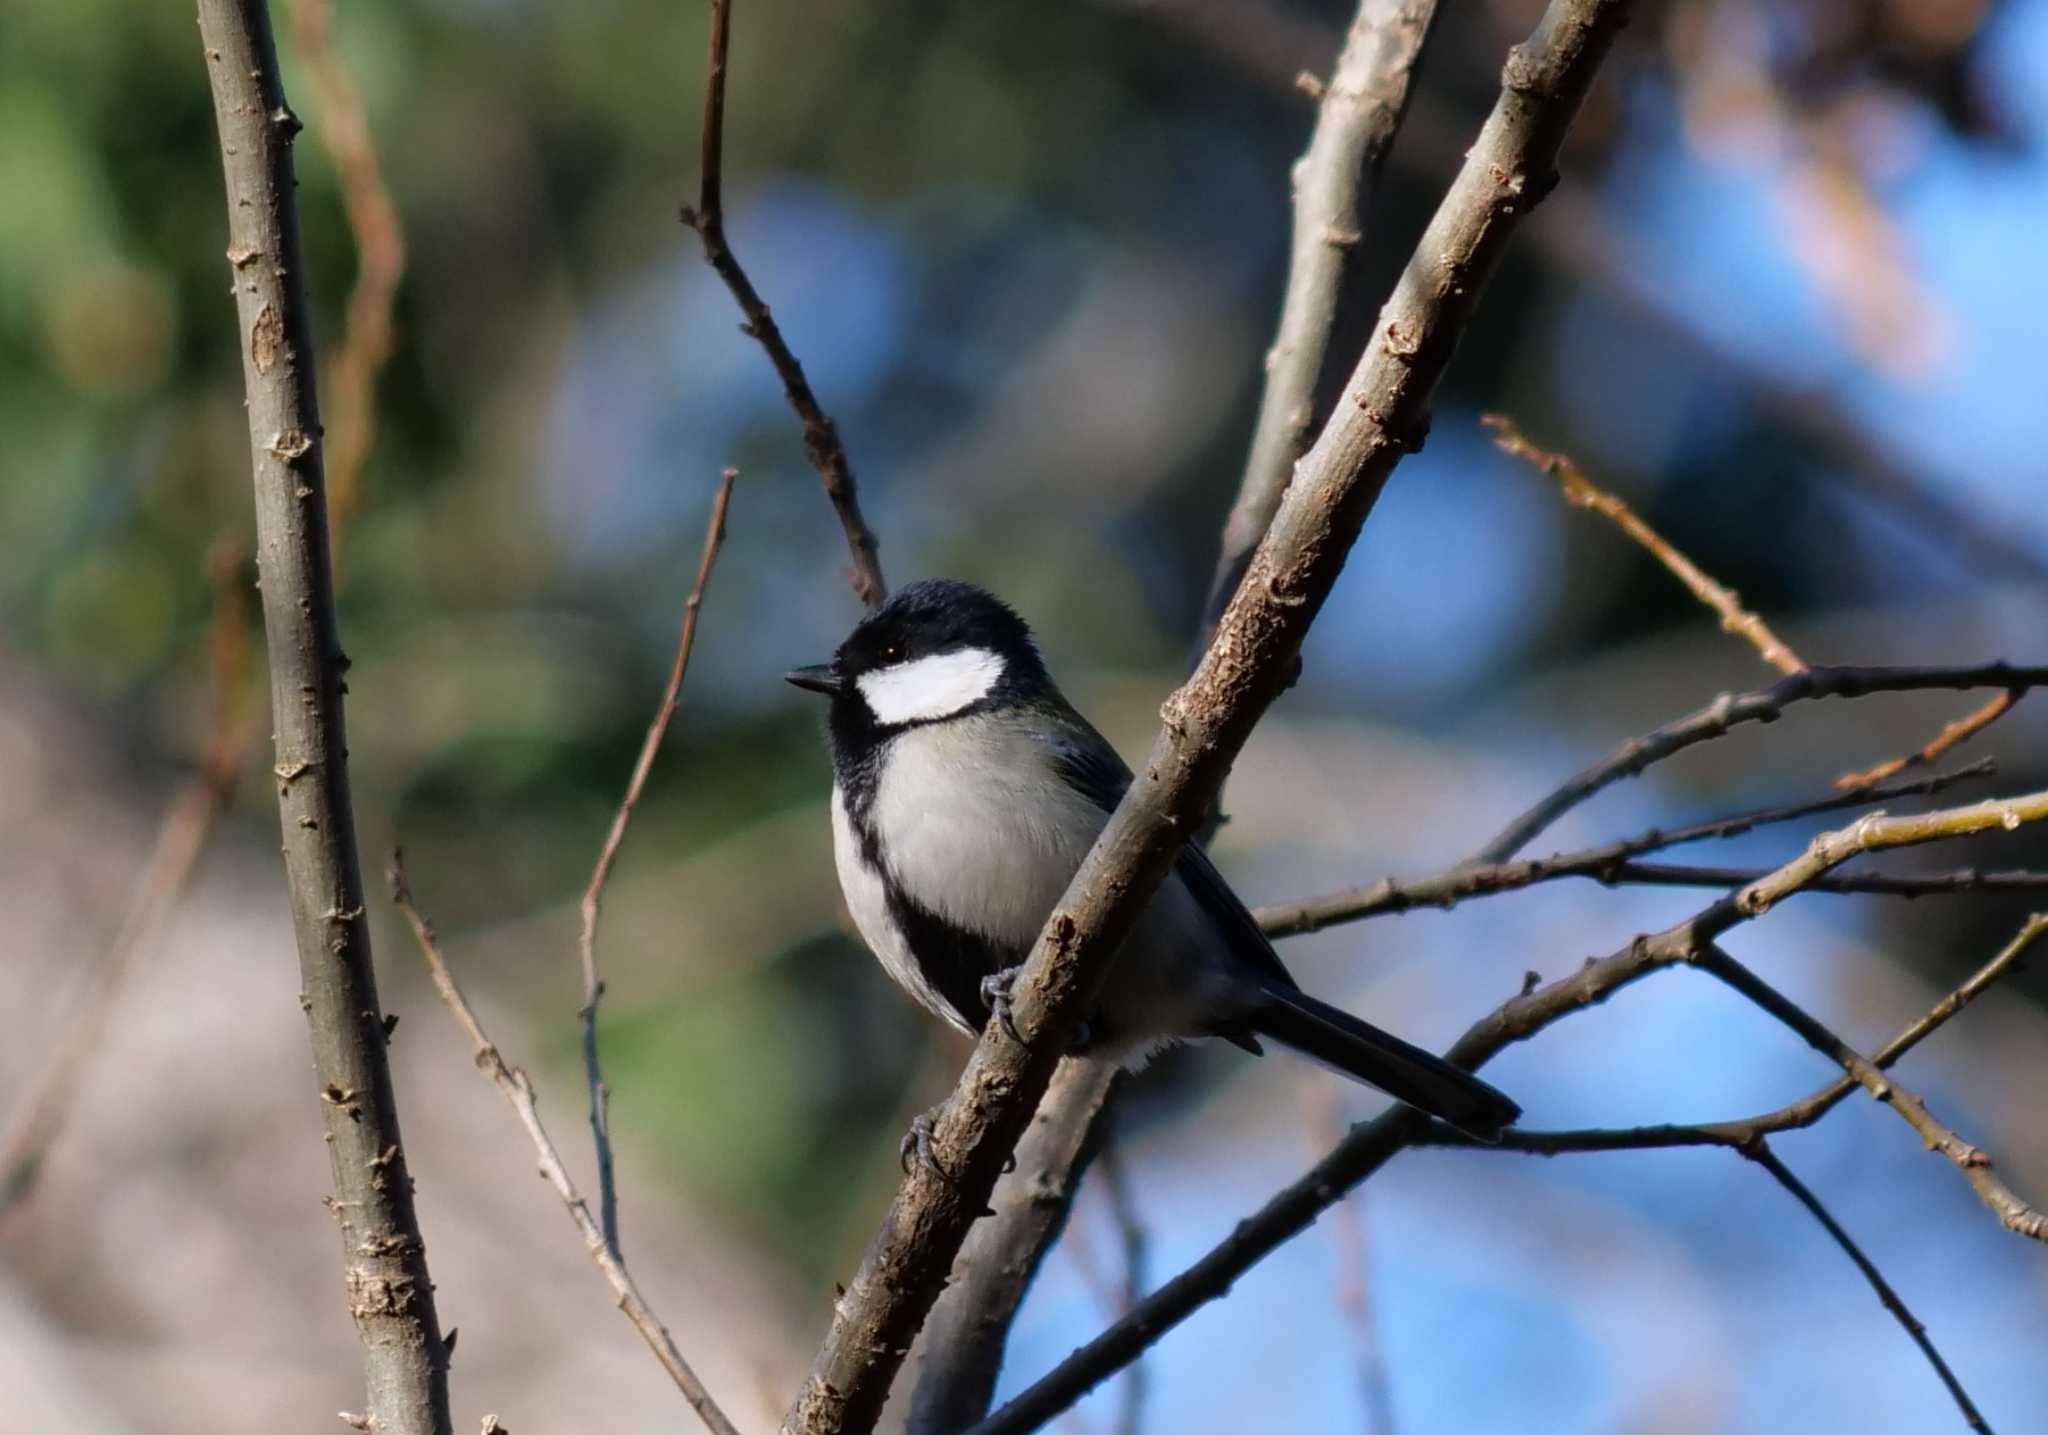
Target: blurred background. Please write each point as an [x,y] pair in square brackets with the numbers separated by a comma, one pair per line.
[1788,302]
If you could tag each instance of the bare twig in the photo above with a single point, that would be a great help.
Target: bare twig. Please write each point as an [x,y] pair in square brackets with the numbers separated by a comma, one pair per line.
[1372,1145]
[518,1091]
[593,891]
[1733,710]
[1955,734]
[1760,1152]
[2013,1213]
[380,260]
[1359,114]
[389,1292]
[180,838]
[1611,863]
[1354,1284]
[1384,414]
[965,1337]
[1582,492]
[1135,1248]
[821,436]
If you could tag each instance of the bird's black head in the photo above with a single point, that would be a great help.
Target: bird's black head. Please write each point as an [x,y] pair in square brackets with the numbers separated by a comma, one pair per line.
[936,650]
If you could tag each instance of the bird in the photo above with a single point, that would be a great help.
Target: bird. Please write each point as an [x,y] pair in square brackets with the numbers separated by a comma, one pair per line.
[966,792]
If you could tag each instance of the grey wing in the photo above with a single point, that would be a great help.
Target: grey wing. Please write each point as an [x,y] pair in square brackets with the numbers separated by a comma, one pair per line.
[1088,764]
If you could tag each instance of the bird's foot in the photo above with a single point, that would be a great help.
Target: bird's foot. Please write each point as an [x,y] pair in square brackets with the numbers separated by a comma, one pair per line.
[995,995]
[917,1143]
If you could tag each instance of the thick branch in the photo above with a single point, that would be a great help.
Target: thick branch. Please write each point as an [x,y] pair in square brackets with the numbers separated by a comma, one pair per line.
[969,1328]
[1734,709]
[1384,413]
[389,1293]
[1373,1144]
[518,1091]
[1360,112]
[821,436]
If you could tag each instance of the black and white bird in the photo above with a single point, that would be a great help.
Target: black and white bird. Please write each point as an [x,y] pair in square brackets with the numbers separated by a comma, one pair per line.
[967,791]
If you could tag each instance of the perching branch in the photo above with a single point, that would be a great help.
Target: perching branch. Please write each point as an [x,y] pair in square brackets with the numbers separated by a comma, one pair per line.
[1582,492]
[1372,1144]
[593,892]
[1611,863]
[1359,112]
[1384,414]
[518,1091]
[389,1292]
[821,435]
[969,1328]
[1732,710]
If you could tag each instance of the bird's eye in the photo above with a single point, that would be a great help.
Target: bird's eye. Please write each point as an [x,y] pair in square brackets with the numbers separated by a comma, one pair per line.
[891,653]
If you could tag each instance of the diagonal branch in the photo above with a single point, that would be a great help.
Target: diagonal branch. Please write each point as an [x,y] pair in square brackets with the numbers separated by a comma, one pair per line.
[593,893]
[1384,414]
[390,1295]
[1610,863]
[1582,492]
[1761,1153]
[518,1091]
[1358,115]
[1372,1144]
[821,436]
[1732,710]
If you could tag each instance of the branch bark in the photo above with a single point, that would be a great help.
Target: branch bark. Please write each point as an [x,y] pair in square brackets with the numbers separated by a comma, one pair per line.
[389,1294]
[1374,1143]
[1360,112]
[1384,414]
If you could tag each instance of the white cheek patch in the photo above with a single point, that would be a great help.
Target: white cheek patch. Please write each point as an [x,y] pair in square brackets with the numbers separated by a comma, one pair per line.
[930,688]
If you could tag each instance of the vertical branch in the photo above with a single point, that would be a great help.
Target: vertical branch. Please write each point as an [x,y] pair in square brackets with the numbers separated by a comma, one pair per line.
[389,1293]
[1361,109]
[821,435]
[593,894]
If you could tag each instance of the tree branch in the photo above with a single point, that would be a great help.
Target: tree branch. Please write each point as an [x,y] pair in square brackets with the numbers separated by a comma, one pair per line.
[593,892]
[389,1293]
[969,1328]
[1609,863]
[518,1091]
[1372,1144]
[1356,121]
[821,436]
[1760,1152]
[1733,710]
[1582,492]
[1383,414]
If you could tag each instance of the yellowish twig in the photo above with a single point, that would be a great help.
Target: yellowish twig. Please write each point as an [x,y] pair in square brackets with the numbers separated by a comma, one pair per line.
[1960,731]
[1581,492]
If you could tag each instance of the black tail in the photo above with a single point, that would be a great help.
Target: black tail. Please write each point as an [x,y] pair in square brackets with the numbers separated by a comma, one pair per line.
[1408,1073]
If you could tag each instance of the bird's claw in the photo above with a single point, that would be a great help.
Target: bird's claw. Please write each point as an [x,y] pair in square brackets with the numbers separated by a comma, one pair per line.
[917,1144]
[995,995]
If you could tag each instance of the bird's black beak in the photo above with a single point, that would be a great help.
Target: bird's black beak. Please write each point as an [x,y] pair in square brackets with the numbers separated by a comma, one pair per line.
[818,679]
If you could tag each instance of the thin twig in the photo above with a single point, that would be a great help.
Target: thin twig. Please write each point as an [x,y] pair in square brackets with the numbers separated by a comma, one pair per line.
[821,436]
[1382,416]
[2012,1212]
[390,1294]
[518,1091]
[593,892]
[1760,1152]
[1611,863]
[1371,1145]
[180,837]
[1732,710]
[380,261]
[1354,1282]
[1954,735]
[1357,118]
[1582,492]
[1135,1248]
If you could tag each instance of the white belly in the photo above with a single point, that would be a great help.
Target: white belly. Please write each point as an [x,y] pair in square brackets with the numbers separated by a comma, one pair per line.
[980,830]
